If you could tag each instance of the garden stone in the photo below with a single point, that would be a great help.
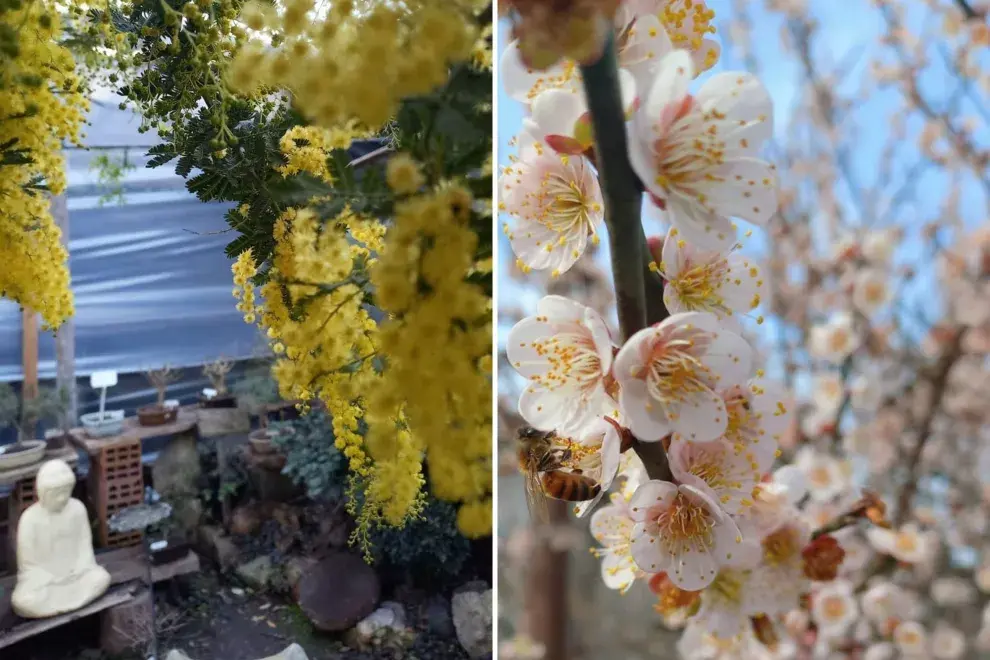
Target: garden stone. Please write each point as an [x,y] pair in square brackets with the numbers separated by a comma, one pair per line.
[472,614]
[218,546]
[435,615]
[338,592]
[386,626]
[256,573]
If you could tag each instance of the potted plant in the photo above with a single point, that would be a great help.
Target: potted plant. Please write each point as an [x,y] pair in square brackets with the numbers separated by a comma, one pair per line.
[258,392]
[218,412]
[53,404]
[217,396]
[13,414]
[160,413]
[103,423]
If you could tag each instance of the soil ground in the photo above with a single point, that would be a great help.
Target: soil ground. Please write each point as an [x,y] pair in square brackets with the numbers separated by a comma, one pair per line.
[209,619]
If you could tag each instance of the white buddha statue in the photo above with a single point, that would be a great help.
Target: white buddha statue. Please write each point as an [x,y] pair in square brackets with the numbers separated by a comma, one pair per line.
[56,569]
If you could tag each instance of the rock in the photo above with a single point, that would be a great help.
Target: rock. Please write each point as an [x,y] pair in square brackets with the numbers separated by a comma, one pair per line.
[293,652]
[386,626]
[127,625]
[213,543]
[472,614]
[295,568]
[479,586]
[338,592]
[434,615]
[257,573]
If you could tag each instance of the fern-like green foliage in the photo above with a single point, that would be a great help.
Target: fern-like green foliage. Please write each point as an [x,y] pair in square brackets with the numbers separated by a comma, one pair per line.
[312,460]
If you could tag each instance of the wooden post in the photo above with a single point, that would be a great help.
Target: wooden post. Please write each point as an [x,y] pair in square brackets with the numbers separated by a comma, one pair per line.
[29,361]
[546,587]
[65,336]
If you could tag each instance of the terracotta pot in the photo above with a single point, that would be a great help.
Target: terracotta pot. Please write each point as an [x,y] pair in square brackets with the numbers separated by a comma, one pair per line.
[156,415]
[261,442]
[56,441]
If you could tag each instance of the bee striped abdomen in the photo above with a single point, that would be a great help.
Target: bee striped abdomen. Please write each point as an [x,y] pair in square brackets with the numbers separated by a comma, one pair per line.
[568,486]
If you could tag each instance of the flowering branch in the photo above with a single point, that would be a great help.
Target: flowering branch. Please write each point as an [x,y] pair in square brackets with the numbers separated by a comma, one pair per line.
[623,195]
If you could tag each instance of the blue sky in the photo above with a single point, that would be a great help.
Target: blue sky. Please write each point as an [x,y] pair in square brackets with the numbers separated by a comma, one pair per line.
[848,35]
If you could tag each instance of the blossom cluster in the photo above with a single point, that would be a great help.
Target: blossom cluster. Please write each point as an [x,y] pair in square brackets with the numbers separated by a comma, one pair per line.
[729,544]
[42,104]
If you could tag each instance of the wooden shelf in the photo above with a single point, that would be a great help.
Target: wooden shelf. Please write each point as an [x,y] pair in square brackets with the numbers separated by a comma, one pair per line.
[184,423]
[11,477]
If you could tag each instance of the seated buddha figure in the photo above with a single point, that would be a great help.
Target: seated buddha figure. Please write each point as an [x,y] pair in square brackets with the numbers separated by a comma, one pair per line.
[56,569]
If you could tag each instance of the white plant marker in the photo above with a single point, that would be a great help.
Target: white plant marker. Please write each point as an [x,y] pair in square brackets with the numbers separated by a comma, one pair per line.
[102,380]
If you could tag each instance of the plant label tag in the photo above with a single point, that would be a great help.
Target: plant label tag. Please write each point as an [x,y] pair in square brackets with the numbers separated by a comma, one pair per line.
[100,379]
[209,392]
[159,545]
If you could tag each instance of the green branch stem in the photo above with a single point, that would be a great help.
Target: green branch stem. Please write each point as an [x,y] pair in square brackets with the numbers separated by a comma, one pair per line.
[623,195]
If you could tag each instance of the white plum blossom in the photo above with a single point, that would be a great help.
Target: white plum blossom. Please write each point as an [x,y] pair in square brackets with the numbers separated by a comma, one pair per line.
[880,651]
[908,544]
[682,531]
[778,580]
[835,340]
[775,501]
[828,392]
[566,353]
[947,642]
[883,601]
[878,245]
[871,290]
[722,282]
[834,608]
[716,465]
[556,203]
[728,603]
[697,643]
[687,23]
[697,154]
[825,476]
[596,452]
[668,376]
[911,640]
[612,527]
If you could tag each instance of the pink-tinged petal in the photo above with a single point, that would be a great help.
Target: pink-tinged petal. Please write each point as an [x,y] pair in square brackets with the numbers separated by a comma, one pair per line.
[747,189]
[627,91]
[645,417]
[561,309]
[669,89]
[629,360]
[617,571]
[556,111]
[701,418]
[703,497]
[707,56]
[729,359]
[793,480]
[530,240]
[770,406]
[611,457]
[542,409]
[648,44]
[564,145]
[749,552]
[728,542]
[519,347]
[742,98]
[703,321]
[519,81]
[694,570]
[609,520]
[647,552]
[745,286]
[600,335]
[672,301]
[703,229]
[650,494]
[640,153]
[673,254]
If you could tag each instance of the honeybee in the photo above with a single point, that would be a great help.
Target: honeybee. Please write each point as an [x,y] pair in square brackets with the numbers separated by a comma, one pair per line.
[541,462]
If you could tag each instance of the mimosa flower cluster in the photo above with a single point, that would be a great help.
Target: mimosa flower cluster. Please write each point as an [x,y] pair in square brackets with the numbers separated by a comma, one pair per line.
[721,538]
[42,104]
[357,60]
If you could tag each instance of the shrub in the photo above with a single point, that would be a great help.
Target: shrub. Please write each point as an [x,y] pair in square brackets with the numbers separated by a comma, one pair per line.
[312,460]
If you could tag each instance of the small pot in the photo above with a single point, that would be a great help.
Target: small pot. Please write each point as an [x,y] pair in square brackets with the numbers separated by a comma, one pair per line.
[174,550]
[156,415]
[26,453]
[261,442]
[111,423]
[221,401]
[56,441]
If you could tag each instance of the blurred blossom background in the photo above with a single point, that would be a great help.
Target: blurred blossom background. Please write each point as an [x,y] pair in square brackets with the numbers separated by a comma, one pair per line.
[878,323]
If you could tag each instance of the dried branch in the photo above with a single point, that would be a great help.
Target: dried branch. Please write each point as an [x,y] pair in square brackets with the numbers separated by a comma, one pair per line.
[217,373]
[160,380]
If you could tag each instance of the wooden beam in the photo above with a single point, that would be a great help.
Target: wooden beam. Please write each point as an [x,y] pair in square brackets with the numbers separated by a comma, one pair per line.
[65,336]
[29,362]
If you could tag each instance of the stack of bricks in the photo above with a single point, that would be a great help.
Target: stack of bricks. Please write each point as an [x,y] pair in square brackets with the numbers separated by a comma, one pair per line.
[116,483]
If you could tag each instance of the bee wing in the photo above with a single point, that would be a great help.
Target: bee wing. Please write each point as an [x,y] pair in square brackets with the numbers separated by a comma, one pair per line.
[536,500]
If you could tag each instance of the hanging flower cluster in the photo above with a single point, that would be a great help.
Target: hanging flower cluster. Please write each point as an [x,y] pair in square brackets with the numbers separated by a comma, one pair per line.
[721,539]
[42,104]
